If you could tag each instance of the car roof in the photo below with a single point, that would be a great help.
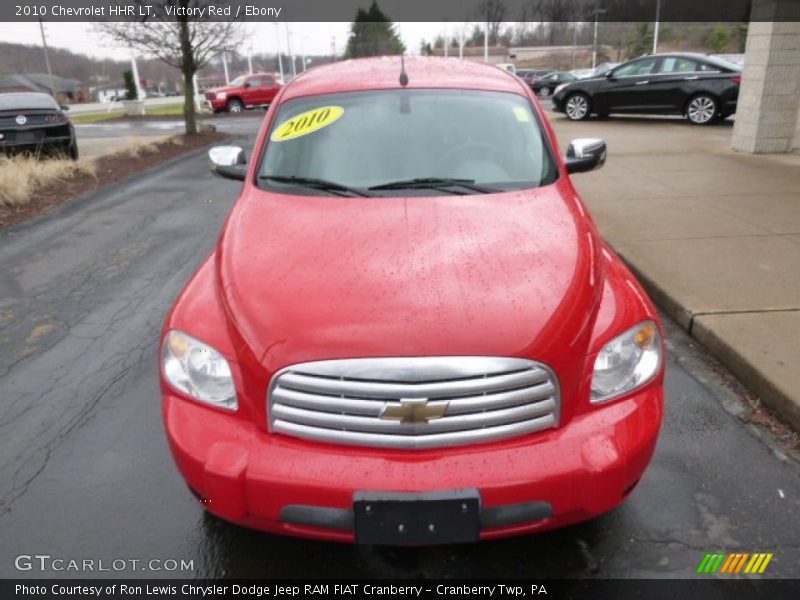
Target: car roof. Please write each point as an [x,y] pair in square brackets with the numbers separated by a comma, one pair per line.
[384,73]
[26,100]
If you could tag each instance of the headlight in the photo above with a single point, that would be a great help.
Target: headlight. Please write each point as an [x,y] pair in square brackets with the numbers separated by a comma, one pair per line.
[626,362]
[198,370]
[559,88]
[221,95]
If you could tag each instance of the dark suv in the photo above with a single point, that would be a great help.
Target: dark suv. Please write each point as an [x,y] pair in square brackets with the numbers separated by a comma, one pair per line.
[695,85]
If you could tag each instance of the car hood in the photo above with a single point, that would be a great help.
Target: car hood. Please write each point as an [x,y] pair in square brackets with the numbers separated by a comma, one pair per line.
[224,88]
[309,278]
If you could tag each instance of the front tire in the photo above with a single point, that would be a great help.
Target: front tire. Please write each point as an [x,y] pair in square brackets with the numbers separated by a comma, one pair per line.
[702,109]
[234,105]
[578,107]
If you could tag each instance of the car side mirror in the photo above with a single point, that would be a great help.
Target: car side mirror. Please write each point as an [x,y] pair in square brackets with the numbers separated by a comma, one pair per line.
[610,76]
[228,162]
[64,107]
[247,85]
[585,154]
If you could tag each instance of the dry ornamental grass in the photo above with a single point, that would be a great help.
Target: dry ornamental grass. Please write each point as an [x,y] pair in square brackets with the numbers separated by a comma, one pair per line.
[30,186]
[22,176]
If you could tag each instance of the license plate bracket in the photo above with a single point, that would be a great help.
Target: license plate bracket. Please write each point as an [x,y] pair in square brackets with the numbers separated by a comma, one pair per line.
[412,519]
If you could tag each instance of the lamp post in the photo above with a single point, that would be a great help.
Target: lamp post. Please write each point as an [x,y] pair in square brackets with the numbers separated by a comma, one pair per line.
[658,19]
[289,48]
[225,69]
[596,12]
[278,49]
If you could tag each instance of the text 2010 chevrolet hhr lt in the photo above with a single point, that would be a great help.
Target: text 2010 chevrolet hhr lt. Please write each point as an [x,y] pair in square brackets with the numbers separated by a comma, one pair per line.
[410,331]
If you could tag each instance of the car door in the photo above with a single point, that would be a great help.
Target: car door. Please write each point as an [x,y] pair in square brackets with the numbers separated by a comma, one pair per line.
[269,89]
[671,86]
[252,91]
[627,87]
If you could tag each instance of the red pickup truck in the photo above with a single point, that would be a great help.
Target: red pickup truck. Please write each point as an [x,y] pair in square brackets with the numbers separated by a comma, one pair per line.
[258,89]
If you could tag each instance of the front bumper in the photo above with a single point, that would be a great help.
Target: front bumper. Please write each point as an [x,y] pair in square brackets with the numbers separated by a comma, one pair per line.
[289,486]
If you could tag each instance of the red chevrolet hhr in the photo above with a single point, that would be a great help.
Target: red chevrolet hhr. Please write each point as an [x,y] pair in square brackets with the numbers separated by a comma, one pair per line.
[410,331]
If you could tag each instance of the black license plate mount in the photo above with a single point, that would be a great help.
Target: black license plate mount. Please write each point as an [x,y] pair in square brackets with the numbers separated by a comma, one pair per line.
[414,519]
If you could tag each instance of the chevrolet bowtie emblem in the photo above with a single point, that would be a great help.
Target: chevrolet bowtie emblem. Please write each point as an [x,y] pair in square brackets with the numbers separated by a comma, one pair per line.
[414,411]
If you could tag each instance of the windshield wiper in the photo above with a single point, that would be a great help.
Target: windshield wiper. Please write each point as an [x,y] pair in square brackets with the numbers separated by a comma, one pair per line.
[317,184]
[434,183]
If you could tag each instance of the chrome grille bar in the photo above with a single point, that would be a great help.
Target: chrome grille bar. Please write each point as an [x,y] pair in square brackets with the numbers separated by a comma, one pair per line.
[413,403]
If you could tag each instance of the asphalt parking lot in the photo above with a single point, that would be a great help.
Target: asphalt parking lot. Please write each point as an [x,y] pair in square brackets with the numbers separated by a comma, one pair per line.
[86,472]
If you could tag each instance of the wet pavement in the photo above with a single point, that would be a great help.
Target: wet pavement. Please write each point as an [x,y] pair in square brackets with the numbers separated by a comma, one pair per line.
[86,472]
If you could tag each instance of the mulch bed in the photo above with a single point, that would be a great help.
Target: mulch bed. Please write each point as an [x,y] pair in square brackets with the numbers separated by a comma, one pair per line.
[110,169]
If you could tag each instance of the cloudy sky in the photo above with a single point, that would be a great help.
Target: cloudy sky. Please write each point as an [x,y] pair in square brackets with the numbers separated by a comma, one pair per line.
[313,38]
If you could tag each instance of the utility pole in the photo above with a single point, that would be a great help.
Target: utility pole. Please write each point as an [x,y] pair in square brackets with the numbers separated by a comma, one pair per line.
[333,48]
[445,40]
[658,18]
[225,68]
[47,61]
[250,59]
[278,49]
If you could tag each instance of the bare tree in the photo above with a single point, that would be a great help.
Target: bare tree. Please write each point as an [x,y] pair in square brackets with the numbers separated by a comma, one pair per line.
[183,41]
[492,12]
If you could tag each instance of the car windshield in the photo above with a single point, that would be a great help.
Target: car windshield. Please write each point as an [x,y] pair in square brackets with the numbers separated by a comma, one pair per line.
[238,82]
[489,141]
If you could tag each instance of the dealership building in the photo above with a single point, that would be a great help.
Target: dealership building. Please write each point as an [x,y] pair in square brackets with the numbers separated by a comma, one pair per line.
[768,111]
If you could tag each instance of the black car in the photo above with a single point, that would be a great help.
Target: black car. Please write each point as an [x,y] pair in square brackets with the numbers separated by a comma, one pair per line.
[31,122]
[545,86]
[701,87]
[530,75]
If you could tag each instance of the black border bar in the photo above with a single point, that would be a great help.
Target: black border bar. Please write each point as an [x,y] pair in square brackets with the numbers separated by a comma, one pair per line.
[453,11]
[707,588]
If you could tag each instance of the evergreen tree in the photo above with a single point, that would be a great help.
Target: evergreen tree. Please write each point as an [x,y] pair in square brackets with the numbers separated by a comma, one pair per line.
[640,41]
[373,34]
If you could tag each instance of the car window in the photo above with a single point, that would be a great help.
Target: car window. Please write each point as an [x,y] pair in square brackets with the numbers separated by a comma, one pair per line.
[376,137]
[707,68]
[269,81]
[676,64]
[238,82]
[254,82]
[637,67]
[553,77]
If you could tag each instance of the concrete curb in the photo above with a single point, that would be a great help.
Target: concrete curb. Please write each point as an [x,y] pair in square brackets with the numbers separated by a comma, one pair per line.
[753,378]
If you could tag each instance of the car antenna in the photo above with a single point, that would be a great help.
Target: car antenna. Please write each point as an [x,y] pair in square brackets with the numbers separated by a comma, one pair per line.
[403,74]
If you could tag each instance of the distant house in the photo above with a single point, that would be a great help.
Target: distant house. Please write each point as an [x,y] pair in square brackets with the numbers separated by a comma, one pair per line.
[62,88]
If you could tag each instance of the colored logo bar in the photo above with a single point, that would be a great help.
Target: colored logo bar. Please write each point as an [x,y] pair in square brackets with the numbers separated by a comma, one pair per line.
[737,562]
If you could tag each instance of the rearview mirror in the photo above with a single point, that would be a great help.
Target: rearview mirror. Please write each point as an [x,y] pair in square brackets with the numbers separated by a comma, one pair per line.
[228,162]
[585,154]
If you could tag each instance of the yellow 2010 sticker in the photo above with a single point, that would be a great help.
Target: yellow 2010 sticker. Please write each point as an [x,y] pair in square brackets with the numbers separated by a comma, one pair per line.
[307,122]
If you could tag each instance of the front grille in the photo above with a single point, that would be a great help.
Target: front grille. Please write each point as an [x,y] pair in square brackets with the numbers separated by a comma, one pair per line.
[413,403]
